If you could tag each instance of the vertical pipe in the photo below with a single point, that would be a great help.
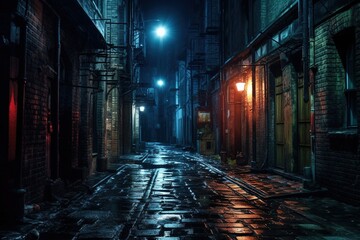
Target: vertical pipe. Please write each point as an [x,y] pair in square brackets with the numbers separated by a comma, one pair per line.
[312,87]
[192,108]
[267,113]
[253,76]
[305,25]
[55,155]
[129,107]
[222,77]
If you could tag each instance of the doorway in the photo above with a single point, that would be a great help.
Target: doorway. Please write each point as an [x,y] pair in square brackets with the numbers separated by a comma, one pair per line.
[279,123]
[303,120]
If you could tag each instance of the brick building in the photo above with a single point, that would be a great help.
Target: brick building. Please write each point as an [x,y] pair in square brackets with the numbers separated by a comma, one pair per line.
[299,112]
[69,71]
[119,75]
[51,62]
[336,76]
[197,66]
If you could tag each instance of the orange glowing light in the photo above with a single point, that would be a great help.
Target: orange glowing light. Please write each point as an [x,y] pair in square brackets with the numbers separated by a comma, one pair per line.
[240,86]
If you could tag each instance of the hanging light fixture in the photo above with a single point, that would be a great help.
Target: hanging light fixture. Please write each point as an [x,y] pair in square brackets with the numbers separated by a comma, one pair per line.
[240,86]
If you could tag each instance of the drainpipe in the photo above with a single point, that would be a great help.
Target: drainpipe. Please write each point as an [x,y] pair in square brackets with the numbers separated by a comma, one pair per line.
[253,162]
[312,89]
[192,132]
[127,121]
[265,164]
[308,55]
[253,76]
[55,137]
[221,79]
[305,25]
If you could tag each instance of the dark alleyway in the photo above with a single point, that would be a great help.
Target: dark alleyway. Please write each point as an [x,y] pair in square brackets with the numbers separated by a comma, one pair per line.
[171,194]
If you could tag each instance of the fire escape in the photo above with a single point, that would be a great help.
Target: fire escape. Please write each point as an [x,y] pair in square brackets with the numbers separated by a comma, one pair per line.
[203,58]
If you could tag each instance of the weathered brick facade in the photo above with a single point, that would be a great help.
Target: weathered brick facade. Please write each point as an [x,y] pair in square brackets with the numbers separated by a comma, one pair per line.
[313,138]
[39,102]
[119,105]
[50,127]
[41,65]
[337,146]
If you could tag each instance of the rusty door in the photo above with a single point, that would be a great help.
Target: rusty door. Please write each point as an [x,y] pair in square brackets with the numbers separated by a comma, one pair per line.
[279,123]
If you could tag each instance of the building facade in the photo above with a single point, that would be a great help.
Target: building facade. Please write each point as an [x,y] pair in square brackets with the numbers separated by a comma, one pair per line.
[298,114]
[197,65]
[336,96]
[67,69]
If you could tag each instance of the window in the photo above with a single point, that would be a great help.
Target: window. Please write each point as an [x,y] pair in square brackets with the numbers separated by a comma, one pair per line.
[350,88]
[345,44]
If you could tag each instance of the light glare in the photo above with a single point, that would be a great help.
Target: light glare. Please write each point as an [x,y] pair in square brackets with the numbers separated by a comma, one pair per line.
[160,83]
[161,31]
[240,86]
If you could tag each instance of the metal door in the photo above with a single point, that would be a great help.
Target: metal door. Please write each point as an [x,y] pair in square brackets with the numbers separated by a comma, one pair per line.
[303,120]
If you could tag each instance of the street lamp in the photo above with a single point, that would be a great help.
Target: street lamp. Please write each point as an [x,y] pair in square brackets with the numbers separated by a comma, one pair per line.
[240,86]
[160,31]
[160,82]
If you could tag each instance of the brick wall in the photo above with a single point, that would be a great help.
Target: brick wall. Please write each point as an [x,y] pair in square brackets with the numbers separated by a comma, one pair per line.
[267,11]
[116,34]
[233,40]
[70,100]
[40,111]
[86,118]
[337,163]
[40,48]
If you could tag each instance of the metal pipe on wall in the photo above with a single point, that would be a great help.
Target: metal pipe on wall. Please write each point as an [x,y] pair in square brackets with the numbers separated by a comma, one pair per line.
[55,156]
[253,76]
[305,25]
[312,89]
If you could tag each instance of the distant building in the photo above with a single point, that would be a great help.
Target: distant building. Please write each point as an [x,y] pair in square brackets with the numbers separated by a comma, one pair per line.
[197,66]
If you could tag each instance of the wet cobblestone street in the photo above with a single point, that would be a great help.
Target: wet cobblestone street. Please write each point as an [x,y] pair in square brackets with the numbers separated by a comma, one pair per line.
[170,195]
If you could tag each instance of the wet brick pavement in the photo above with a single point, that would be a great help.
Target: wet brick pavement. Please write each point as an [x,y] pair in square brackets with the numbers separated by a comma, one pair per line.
[170,194]
[265,185]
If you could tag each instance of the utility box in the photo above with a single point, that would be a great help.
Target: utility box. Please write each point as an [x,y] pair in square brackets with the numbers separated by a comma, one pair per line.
[205,136]
[206,145]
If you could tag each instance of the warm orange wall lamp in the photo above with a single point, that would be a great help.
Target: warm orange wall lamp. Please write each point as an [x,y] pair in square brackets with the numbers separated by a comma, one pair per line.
[240,86]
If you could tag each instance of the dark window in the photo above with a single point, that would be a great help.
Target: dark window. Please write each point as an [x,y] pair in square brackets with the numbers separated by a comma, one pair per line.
[345,43]
[350,88]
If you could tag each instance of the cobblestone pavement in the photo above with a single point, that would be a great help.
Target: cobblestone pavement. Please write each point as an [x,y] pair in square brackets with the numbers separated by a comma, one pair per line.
[170,194]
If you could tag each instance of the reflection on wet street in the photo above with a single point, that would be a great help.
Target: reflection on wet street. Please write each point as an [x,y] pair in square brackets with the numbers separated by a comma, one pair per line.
[169,195]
